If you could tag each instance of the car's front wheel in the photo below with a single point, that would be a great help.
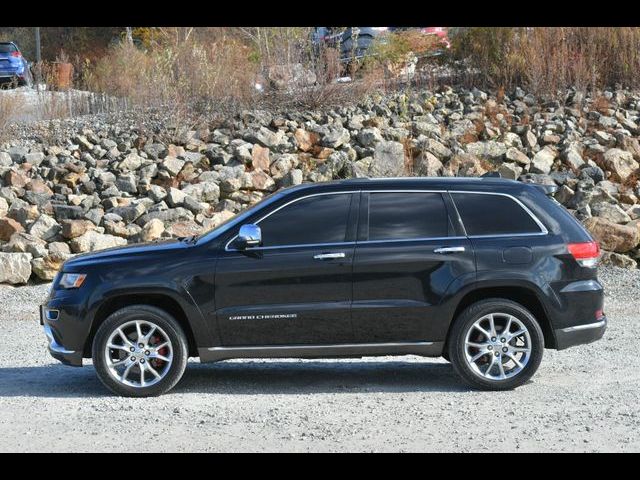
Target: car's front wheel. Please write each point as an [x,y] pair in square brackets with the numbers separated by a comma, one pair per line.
[140,351]
[496,344]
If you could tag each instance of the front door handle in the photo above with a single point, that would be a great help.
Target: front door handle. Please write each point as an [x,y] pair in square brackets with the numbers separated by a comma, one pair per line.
[328,256]
[449,250]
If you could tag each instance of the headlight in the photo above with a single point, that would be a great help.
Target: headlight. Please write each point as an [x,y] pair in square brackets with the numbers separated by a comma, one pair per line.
[72,280]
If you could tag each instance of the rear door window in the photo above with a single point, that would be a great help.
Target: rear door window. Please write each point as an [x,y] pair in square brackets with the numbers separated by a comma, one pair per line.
[488,214]
[407,215]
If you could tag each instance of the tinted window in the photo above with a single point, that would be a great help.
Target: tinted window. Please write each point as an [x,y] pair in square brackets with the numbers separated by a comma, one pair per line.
[493,215]
[396,216]
[319,219]
[7,48]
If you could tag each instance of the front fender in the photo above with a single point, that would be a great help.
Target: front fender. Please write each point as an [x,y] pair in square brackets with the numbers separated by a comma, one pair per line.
[107,292]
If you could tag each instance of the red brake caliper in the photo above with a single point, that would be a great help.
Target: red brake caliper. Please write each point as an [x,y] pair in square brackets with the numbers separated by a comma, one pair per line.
[163,351]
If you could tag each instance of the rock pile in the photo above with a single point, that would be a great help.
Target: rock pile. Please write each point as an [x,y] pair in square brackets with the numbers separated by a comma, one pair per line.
[96,183]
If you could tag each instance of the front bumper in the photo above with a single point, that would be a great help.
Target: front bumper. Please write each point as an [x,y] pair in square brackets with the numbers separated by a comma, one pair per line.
[580,334]
[56,349]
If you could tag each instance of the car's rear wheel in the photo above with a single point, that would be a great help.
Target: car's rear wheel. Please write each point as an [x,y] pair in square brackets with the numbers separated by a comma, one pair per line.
[26,80]
[496,344]
[140,351]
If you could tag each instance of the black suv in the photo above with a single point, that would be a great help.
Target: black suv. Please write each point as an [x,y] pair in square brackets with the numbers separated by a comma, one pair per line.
[483,271]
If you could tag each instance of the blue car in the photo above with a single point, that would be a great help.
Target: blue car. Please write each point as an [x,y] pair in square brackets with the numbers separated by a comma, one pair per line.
[14,67]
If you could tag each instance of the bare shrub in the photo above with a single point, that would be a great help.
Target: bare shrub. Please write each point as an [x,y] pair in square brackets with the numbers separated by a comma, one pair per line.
[549,59]
[10,106]
[184,76]
[194,72]
[397,56]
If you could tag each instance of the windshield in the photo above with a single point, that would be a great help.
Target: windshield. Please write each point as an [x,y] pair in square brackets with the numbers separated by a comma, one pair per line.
[239,218]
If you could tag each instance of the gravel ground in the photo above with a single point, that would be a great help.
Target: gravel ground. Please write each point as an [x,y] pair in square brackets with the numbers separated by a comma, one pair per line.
[583,399]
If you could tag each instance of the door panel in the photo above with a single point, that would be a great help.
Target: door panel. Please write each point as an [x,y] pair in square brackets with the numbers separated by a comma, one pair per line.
[285,296]
[296,287]
[400,273]
[398,287]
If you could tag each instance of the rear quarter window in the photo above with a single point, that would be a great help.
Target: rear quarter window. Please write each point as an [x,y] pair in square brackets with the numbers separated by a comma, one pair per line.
[488,214]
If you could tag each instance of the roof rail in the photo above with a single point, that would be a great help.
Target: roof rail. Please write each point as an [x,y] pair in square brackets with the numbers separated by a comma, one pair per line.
[548,190]
[491,175]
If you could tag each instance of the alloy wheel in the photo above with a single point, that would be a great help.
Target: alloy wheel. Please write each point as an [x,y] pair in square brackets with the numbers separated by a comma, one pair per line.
[497,346]
[138,353]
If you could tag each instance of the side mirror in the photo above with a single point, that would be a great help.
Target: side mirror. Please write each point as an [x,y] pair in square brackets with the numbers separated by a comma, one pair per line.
[249,236]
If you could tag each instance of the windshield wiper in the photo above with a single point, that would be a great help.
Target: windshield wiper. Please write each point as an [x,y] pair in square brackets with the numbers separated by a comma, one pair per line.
[189,239]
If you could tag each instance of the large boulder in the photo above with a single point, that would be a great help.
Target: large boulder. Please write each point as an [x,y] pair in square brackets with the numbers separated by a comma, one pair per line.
[46,267]
[618,260]
[369,137]
[265,137]
[76,228]
[131,162]
[515,155]
[203,192]
[173,165]
[543,160]
[611,236]
[23,243]
[8,226]
[66,212]
[260,155]
[185,229]
[217,219]
[167,216]
[291,75]
[336,137]
[15,268]
[620,163]
[131,212]
[388,160]
[306,141]
[490,149]
[427,165]
[152,230]
[45,227]
[92,240]
[610,211]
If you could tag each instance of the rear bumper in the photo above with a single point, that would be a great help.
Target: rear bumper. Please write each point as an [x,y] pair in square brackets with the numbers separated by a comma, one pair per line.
[12,72]
[580,334]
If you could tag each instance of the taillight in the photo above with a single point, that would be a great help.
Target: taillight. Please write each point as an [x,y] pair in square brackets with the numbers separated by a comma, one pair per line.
[585,253]
[16,54]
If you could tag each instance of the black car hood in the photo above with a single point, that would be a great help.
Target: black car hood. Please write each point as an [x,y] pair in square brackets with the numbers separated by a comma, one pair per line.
[132,252]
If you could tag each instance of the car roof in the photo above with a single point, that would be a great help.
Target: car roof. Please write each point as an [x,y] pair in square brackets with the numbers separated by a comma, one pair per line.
[416,183]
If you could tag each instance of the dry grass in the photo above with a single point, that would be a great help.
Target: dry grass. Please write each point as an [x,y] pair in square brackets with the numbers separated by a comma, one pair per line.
[10,106]
[548,59]
[189,74]
[601,104]
[196,75]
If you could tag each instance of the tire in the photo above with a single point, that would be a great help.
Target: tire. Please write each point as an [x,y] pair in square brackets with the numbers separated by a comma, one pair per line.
[27,81]
[493,369]
[164,351]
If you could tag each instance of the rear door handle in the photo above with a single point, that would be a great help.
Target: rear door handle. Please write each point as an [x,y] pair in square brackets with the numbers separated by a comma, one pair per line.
[449,250]
[328,256]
